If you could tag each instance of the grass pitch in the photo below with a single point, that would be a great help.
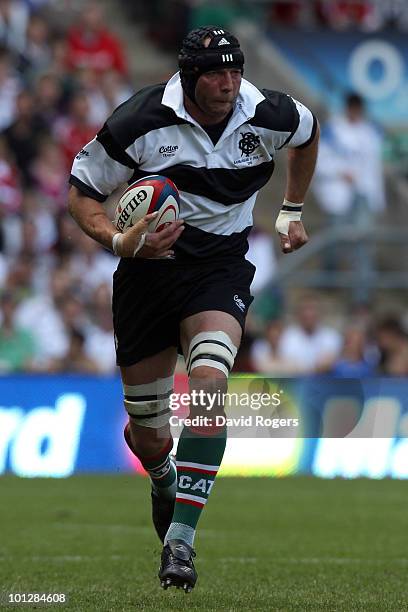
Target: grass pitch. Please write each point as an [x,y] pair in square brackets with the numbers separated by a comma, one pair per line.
[263,544]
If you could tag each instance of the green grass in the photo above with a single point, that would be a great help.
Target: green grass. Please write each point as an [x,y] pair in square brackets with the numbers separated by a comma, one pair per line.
[263,544]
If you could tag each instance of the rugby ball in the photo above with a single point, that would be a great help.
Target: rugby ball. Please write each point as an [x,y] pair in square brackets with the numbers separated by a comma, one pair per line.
[150,194]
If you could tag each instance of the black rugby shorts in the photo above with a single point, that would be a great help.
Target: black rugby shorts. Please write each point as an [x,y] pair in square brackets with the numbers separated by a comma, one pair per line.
[151,298]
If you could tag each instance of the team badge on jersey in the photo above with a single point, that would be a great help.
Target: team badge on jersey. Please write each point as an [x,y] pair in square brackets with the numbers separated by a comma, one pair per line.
[248,143]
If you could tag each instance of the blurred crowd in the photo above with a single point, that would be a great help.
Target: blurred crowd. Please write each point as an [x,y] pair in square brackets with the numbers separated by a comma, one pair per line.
[356,345]
[366,15]
[169,21]
[62,71]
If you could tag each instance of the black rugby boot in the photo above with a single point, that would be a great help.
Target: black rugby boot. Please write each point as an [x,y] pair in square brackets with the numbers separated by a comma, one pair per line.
[177,567]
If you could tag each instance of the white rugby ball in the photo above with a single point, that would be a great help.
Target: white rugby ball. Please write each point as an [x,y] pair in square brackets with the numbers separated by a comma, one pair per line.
[150,194]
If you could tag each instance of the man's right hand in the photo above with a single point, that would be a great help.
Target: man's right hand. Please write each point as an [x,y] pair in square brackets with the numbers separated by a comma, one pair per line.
[158,244]
[155,245]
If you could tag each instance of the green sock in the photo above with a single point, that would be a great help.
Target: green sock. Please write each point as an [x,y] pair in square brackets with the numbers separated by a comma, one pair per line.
[199,457]
[162,472]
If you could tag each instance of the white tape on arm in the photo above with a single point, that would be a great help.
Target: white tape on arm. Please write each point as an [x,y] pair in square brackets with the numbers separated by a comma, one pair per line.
[290,211]
[117,240]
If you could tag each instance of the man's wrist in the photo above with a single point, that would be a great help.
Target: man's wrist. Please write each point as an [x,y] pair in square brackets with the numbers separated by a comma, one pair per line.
[116,240]
[292,206]
[290,211]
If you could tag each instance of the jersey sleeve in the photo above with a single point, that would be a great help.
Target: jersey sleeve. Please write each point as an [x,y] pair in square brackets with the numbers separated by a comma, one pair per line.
[101,166]
[290,123]
[305,126]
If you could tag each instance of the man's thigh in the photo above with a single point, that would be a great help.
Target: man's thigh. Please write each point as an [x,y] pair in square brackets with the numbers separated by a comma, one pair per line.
[208,321]
[150,369]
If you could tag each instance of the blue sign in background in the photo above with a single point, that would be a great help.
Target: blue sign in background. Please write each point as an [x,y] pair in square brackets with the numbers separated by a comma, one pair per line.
[334,63]
[56,426]
[83,416]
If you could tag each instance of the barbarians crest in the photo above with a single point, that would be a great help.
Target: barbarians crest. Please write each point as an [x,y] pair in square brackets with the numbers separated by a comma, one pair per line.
[248,143]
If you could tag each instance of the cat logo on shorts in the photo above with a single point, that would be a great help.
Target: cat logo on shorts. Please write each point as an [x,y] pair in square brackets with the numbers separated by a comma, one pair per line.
[248,143]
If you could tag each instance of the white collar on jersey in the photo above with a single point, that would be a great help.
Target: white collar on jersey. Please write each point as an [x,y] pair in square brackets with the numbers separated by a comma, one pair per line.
[248,99]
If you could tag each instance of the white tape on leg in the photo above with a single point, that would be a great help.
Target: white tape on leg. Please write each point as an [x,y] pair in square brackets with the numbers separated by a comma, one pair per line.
[149,404]
[213,349]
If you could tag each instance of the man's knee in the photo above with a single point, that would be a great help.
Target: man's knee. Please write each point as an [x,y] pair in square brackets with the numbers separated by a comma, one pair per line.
[210,355]
[148,405]
[146,441]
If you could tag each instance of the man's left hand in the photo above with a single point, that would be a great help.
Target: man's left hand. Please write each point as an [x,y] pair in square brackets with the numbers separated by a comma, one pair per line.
[295,238]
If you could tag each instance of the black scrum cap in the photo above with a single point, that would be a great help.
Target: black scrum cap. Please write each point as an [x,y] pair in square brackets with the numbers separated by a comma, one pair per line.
[223,51]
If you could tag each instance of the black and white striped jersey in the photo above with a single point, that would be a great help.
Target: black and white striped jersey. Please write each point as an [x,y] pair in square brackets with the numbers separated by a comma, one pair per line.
[152,133]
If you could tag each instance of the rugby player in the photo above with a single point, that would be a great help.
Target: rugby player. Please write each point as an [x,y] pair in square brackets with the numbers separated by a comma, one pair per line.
[187,288]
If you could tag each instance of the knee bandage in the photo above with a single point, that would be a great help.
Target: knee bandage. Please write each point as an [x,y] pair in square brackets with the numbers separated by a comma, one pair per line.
[213,349]
[148,404]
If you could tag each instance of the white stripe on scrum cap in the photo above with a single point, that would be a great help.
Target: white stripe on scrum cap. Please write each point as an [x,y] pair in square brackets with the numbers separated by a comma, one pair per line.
[198,466]
[197,498]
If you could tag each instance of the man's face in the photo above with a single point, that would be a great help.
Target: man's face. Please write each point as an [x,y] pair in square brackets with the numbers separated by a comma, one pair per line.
[355,112]
[216,91]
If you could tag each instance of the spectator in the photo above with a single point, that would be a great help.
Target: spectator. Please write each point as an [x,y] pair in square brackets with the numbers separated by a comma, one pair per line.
[49,175]
[349,174]
[89,255]
[391,14]
[9,88]
[36,209]
[36,54]
[10,189]
[266,353]
[48,99]
[349,182]
[99,343]
[307,344]
[68,236]
[17,347]
[286,12]
[392,341]
[115,89]
[24,134]
[353,361]
[344,14]
[75,130]
[104,92]
[42,315]
[20,279]
[14,17]
[75,361]
[92,45]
